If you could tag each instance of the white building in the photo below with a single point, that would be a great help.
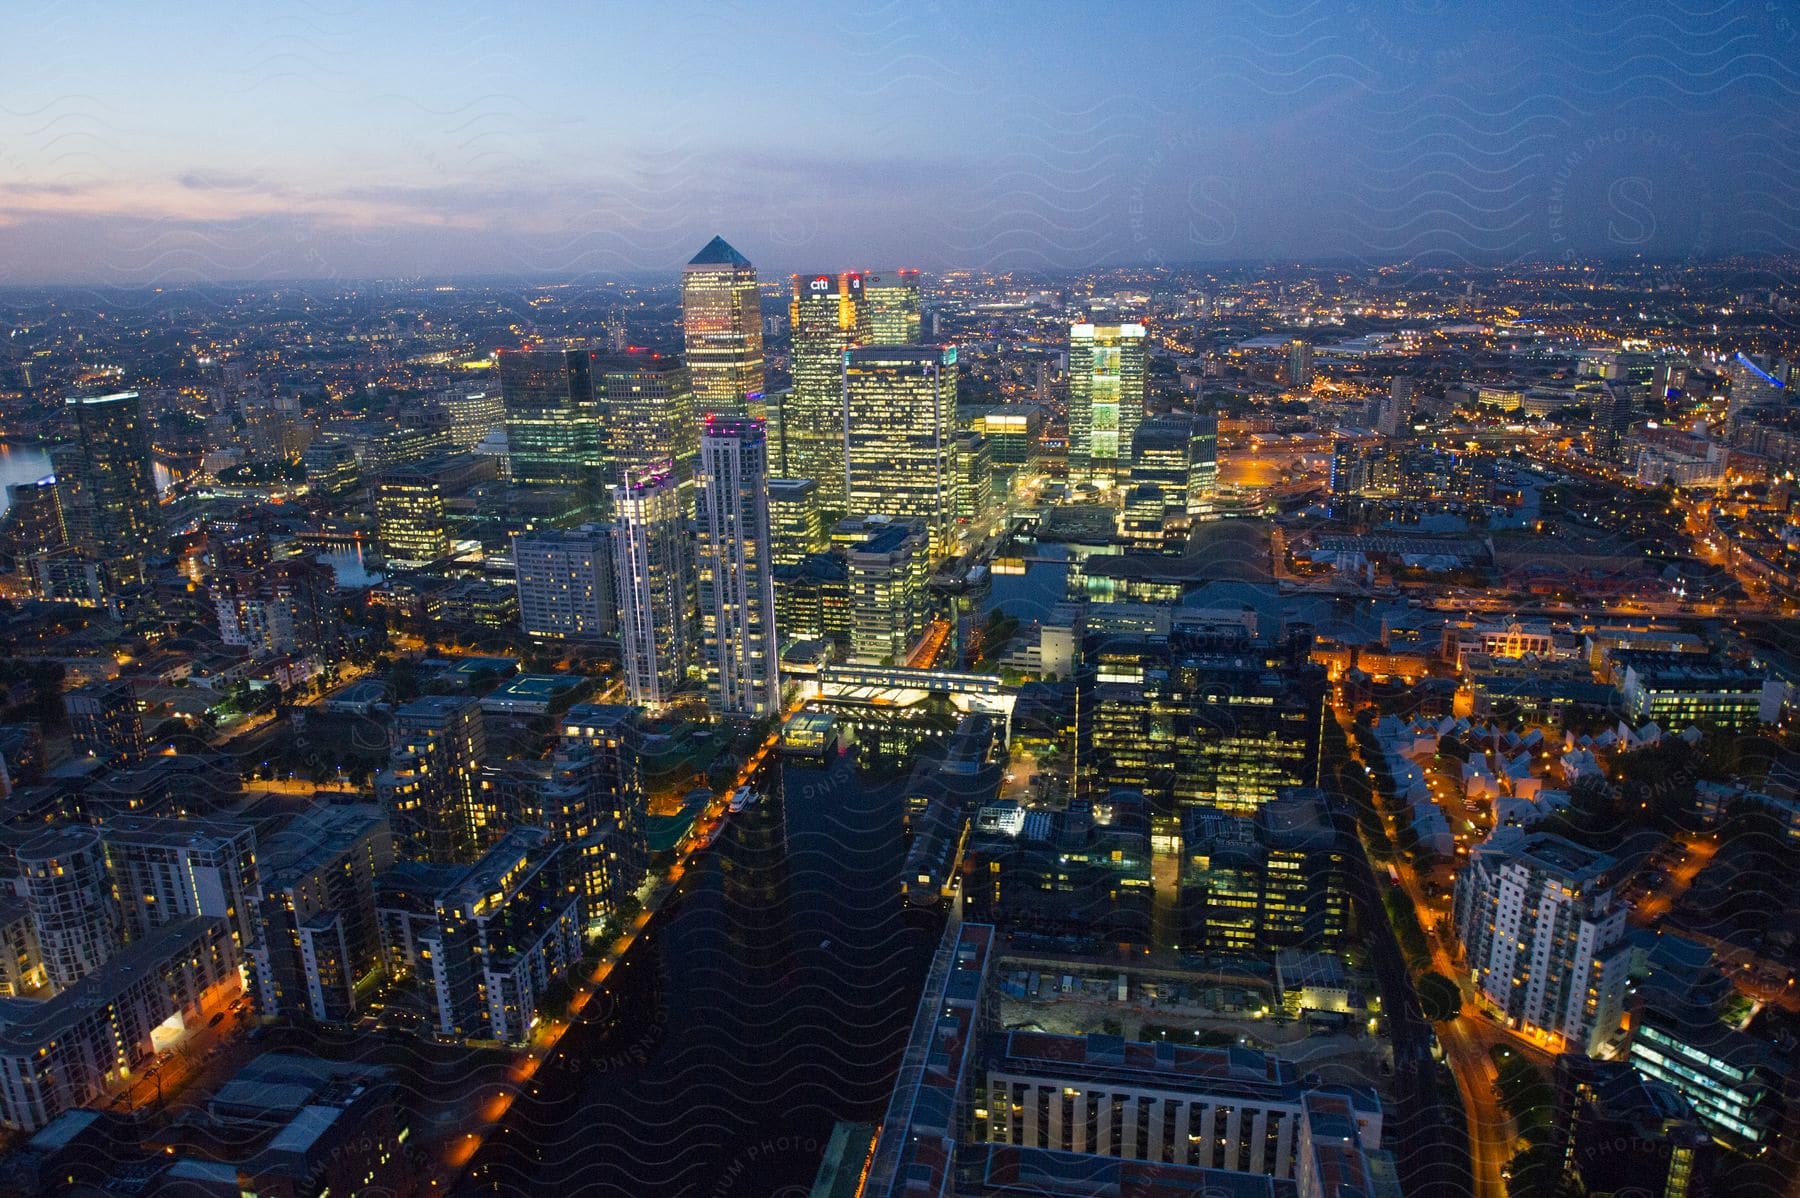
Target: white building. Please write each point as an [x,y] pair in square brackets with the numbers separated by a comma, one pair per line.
[650,569]
[1543,936]
[1214,1108]
[736,579]
[565,581]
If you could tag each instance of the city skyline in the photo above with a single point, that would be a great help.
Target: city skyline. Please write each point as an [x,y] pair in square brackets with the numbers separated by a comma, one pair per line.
[1166,137]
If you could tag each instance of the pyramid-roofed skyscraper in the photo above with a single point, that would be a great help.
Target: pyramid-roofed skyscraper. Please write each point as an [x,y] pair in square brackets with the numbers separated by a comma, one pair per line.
[721,314]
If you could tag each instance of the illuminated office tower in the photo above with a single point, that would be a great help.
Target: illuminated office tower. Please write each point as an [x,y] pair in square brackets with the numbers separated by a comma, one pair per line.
[887,576]
[721,321]
[737,580]
[472,414]
[410,521]
[829,314]
[1203,467]
[1106,401]
[899,421]
[1300,362]
[552,419]
[650,569]
[796,527]
[893,298]
[647,405]
[115,480]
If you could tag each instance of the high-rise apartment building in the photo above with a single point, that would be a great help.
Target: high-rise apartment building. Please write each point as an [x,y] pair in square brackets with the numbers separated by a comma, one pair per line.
[553,422]
[721,320]
[900,421]
[1106,400]
[70,896]
[167,869]
[488,941]
[651,573]
[289,607]
[430,787]
[317,936]
[1544,937]
[565,583]
[894,309]
[736,577]
[115,479]
[1300,362]
[829,314]
[104,721]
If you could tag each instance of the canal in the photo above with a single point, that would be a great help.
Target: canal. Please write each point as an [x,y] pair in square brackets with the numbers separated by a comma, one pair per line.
[769,999]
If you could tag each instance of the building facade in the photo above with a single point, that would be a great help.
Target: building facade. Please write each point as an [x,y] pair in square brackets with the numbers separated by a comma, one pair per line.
[721,322]
[1543,937]
[829,314]
[900,420]
[736,577]
[1106,401]
[565,583]
[651,573]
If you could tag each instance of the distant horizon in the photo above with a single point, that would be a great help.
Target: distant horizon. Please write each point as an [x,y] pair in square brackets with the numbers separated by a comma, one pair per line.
[1748,260]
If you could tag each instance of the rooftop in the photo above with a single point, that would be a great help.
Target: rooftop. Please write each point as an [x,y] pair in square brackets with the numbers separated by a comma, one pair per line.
[718,252]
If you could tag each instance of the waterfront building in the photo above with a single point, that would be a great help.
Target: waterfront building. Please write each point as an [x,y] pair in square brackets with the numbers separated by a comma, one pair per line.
[1106,401]
[886,576]
[114,480]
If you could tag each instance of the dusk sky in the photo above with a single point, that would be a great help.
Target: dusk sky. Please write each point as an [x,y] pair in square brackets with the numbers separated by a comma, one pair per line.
[150,143]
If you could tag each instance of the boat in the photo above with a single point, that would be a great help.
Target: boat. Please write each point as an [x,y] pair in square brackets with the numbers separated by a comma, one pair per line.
[740,798]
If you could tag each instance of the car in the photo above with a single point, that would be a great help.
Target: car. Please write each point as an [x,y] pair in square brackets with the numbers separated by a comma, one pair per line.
[216,1020]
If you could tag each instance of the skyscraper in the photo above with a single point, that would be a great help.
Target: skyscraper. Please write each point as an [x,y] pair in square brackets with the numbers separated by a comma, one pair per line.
[796,527]
[650,569]
[829,314]
[737,582]
[721,320]
[894,310]
[1106,400]
[116,480]
[899,421]
[1300,362]
[647,406]
[1203,466]
[553,432]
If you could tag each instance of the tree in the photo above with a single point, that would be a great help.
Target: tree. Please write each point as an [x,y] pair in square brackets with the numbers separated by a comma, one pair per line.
[1438,997]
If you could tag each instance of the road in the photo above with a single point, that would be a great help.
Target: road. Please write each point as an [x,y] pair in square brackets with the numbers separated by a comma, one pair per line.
[488,1115]
[1465,1040]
